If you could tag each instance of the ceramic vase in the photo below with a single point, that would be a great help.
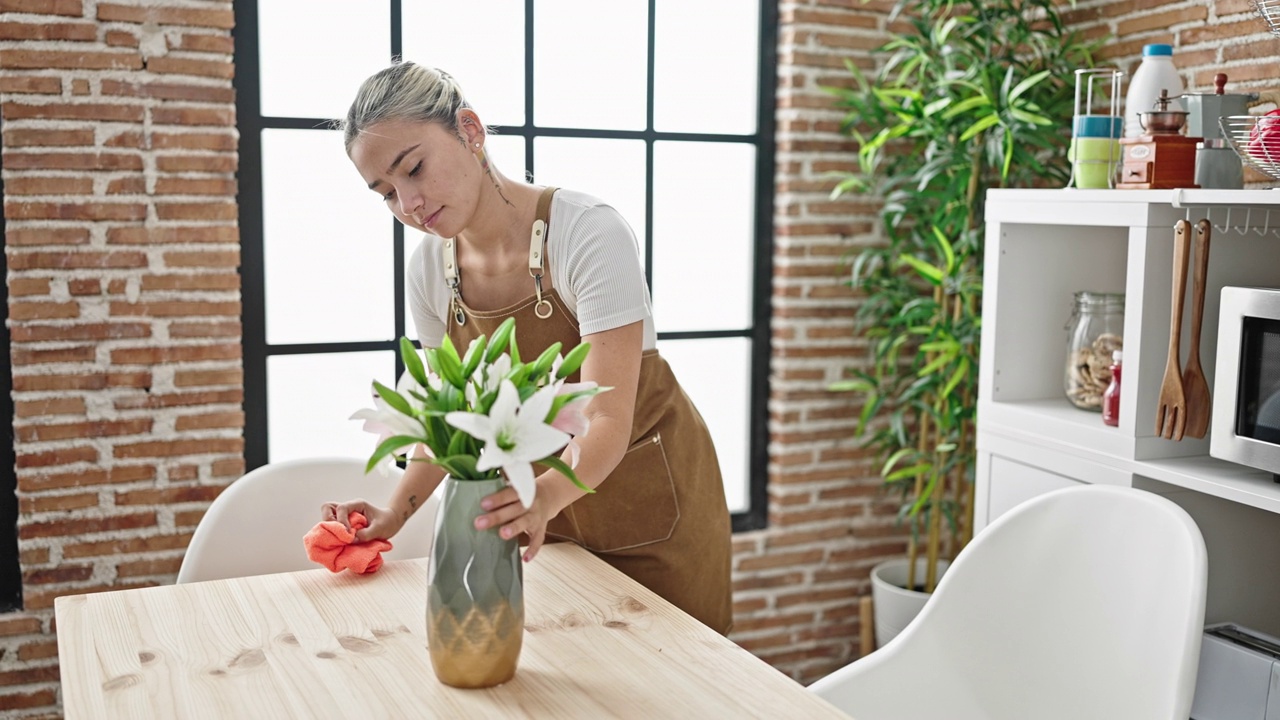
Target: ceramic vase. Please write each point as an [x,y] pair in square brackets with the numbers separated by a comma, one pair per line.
[475,593]
[895,605]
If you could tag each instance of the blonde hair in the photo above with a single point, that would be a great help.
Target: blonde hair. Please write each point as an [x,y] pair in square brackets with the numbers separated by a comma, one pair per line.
[403,91]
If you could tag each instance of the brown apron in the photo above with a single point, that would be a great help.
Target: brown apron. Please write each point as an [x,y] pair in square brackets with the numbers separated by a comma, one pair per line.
[660,517]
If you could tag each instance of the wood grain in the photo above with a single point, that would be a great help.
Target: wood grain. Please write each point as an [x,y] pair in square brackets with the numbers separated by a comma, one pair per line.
[316,645]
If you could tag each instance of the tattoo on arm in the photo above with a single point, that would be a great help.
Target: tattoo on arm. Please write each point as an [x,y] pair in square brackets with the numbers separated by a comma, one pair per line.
[413,501]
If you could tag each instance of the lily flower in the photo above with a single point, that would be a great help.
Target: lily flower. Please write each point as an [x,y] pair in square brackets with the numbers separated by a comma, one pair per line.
[386,421]
[514,435]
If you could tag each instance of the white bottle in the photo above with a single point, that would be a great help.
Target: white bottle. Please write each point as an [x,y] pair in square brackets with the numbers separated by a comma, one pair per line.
[1155,73]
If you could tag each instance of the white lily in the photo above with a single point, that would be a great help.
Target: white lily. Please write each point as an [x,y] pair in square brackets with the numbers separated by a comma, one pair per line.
[386,421]
[487,378]
[514,435]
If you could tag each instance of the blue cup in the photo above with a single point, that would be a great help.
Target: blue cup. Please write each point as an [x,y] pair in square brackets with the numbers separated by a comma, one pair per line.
[1097,126]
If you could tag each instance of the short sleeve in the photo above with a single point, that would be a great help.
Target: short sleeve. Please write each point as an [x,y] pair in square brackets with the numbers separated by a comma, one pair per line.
[604,271]
[424,304]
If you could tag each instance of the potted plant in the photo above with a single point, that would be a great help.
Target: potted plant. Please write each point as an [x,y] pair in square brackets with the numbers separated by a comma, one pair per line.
[973,97]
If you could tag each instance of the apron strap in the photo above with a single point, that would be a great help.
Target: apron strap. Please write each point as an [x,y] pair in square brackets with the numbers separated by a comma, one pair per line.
[538,251]
[537,254]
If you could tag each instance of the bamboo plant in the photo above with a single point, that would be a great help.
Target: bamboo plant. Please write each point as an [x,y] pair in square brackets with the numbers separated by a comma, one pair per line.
[973,97]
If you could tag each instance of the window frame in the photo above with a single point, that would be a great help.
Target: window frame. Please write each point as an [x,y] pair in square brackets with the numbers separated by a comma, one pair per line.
[10,567]
[251,123]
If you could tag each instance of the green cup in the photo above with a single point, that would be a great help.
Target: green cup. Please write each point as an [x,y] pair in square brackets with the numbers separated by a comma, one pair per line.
[1094,161]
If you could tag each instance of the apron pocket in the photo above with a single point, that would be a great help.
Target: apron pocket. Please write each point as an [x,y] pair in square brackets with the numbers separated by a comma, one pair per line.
[636,505]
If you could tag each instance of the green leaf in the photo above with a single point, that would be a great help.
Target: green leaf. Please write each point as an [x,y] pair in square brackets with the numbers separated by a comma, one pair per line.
[926,271]
[475,353]
[948,252]
[894,458]
[979,126]
[393,398]
[1027,84]
[462,467]
[449,366]
[543,363]
[412,361]
[458,445]
[501,337]
[966,105]
[560,466]
[907,472]
[573,360]
[387,447]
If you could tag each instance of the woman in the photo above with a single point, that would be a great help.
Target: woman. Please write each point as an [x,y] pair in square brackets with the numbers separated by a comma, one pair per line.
[658,513]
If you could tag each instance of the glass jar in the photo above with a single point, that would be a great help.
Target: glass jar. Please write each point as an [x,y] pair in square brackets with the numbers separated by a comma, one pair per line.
[1095,331]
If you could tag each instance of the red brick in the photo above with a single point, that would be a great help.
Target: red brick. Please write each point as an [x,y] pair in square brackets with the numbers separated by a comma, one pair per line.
[126,139]
[54,503]
[227,467]
[196,211]
[96,428]
[73,354]
[78,526]
[204,330]
[193,116]
[79,86]
[172,448]
[168,90]
[118,474]
[198,378]
[82,381]
[127,546]
[19,311]
[40,650]
[189,518]
[181,353]
[37,185]
[84,286]
[187,17]
[28,676]
[221,163]
[60,574]
[76,259]
[34,556]
[69,60]
[202,281]
[174,309]
[169,496]
[210,421]
[1160,21]
[29,137]
[180,473]
[166,235]
[120,38]
[44,7]
[18,623]
[136,185]
[193,141]
[24,286]
[72,161]
[72,111]
[207,43]
[74,211]
[27,700]
[144,568]
[30,86]
[47,31]
[226,259]
[208,397]
[83,331]
[169,65]
[196,186]
[50,406]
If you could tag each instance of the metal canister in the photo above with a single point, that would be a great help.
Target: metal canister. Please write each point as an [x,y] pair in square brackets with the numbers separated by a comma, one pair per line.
[1206,108]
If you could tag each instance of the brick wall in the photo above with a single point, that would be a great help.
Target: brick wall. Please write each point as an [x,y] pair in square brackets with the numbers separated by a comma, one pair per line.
[119,154]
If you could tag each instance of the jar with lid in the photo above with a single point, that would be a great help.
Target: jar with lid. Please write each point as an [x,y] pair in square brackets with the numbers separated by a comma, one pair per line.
[1095,331]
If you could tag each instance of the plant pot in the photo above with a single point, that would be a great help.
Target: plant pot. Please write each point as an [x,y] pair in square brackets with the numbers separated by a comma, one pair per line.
[895,605]
[475,593]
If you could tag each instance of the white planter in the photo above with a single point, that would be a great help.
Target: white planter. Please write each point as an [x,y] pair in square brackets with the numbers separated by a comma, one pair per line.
[895,606]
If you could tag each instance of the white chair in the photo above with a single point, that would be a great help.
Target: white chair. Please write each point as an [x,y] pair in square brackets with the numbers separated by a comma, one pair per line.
[1086,602]
[256,525]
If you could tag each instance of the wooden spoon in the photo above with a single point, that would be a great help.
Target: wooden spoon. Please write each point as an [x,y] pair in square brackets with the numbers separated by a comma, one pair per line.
[1194,384]
[1171,417]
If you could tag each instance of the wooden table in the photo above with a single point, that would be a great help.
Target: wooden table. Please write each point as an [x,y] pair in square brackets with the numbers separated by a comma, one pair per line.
[313,644]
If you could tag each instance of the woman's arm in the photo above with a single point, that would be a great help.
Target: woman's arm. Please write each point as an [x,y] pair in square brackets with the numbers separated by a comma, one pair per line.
[614,361]
[420,479]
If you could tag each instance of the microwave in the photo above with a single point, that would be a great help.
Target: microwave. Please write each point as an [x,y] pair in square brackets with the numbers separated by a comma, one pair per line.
[1246,391]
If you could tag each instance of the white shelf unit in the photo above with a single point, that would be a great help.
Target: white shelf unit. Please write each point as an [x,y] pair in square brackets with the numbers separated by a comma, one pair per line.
[1042,247]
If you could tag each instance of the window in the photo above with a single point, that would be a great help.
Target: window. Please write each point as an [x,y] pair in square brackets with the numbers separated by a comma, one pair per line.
[10,572]
[633,101]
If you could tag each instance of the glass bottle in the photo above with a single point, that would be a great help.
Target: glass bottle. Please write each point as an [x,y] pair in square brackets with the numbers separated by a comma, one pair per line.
[1111,397]
[1096,330]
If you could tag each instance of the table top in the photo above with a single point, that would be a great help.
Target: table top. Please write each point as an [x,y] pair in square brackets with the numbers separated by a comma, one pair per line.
[312,644]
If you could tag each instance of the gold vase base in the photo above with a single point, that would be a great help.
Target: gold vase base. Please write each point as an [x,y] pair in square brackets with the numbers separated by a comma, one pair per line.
[478,652]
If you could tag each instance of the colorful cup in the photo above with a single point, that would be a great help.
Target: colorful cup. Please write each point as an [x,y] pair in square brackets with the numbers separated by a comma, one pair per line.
[1094,161]
[1097,126]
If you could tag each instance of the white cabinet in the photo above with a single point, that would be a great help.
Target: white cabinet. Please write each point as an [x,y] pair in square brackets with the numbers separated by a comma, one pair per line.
[1042,247]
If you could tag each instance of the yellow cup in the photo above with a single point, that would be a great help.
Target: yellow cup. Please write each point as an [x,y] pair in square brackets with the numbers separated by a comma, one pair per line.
[1094,161]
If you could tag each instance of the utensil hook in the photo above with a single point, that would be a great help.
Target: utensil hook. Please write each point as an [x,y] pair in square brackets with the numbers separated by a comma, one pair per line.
[1227,226]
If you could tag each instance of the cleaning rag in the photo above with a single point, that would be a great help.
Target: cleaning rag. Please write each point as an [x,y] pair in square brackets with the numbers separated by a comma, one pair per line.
[333,546]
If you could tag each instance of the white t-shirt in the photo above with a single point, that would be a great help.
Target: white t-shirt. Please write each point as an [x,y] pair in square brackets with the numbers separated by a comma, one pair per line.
[595,268]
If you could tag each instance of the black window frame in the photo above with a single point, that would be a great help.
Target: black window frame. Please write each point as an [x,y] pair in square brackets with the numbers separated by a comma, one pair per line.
[10,566]
[251,123]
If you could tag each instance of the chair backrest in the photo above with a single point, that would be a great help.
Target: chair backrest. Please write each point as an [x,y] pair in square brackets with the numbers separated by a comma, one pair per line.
[256,525]
[1083,602]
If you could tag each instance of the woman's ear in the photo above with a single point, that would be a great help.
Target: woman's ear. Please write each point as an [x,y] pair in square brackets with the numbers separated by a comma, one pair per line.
[471,129]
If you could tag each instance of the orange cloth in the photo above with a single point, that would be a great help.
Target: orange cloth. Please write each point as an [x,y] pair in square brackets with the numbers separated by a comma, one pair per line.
[333,546]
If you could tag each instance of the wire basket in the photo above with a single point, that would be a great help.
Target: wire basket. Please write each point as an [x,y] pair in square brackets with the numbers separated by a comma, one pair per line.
[1270,12]
[1256,139]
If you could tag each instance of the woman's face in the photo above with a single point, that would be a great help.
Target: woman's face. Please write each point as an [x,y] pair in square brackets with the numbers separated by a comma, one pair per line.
[427,174]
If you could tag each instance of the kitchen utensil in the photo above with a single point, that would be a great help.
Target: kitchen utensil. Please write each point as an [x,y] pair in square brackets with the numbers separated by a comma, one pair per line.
[1206,108]
[1163,120]
[1256,139]
[1270,12]
[1094,153]
[1171,416]
[1194,385]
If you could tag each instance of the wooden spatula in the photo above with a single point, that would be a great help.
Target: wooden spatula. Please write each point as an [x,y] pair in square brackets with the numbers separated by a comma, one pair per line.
[1171,417]
[1194,385]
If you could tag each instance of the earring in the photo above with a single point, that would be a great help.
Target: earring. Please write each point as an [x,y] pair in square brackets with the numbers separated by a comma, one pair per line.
[477,144]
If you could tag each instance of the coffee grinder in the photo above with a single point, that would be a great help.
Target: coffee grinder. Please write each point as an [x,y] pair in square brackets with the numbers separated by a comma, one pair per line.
[1162,157]
[1217,165]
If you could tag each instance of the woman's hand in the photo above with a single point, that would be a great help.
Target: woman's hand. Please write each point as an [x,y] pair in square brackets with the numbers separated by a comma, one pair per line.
[511,518]
[382,522]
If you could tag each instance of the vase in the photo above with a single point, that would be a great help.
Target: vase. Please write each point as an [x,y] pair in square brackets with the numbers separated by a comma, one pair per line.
[895,604]
[475,592]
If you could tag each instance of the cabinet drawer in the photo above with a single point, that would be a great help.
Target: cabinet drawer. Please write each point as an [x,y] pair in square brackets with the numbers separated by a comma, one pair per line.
[1013,483]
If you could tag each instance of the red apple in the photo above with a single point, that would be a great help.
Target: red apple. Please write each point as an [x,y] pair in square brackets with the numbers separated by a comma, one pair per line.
[1264,138]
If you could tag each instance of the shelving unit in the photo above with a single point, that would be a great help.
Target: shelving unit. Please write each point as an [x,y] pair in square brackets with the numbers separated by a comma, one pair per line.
[1042,247]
